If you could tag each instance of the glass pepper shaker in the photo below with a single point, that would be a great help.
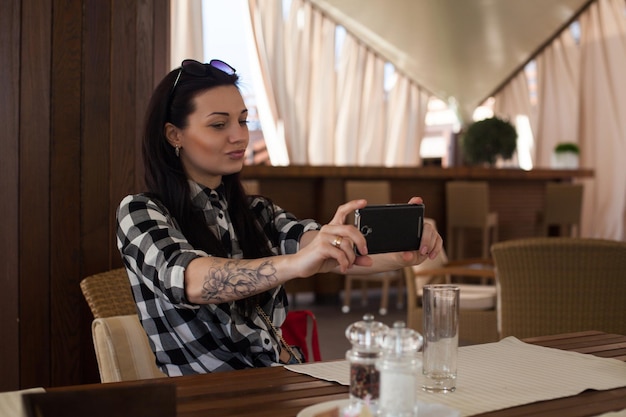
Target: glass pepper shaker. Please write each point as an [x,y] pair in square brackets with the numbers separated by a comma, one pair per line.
[399,368]
[366,337]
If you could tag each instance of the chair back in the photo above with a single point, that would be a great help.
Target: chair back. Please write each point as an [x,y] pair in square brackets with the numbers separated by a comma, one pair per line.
[467,203]
[109,294]
[560,285]
[374,191]
[563,206]
[295,331]
[122,349]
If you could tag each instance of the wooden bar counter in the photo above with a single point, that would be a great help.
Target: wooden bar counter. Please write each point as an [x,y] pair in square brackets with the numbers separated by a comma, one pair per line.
[316,191]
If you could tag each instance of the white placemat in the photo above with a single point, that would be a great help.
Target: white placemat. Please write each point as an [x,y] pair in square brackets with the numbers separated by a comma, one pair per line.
[11,402]
[505,374]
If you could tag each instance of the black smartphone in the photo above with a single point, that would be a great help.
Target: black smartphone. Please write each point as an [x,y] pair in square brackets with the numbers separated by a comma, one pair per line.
[391,227]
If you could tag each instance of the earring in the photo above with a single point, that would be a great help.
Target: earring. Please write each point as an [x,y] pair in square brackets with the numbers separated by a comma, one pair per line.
[177,151]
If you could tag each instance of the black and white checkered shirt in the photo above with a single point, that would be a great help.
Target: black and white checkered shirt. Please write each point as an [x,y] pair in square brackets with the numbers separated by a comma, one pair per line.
[185,337]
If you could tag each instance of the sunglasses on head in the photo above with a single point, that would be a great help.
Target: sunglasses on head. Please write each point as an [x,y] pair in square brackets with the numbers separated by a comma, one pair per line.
[198,69]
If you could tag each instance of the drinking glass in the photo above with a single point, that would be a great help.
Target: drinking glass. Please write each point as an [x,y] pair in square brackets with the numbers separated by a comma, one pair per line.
[441,337]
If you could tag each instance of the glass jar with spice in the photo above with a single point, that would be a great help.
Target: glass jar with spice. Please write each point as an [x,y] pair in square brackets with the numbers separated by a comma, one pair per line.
[366,337]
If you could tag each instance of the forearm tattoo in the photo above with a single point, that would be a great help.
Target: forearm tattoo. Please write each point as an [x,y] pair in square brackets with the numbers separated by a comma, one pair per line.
[234,280]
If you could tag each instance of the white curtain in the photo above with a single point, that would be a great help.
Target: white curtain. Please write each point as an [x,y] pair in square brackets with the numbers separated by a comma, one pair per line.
[602,120]
[349,93]
[513,103]
[322,92]
[406,123]
[266,22]
[558,92]
[333,113]
[186,31]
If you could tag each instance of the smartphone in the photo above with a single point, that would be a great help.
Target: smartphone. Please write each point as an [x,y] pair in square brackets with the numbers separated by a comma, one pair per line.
[391,227]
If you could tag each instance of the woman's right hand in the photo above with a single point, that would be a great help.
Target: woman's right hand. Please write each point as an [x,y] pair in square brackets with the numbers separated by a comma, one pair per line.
[332,247]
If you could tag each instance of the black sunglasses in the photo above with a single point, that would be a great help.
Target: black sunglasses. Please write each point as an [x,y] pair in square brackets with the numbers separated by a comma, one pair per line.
[198,69]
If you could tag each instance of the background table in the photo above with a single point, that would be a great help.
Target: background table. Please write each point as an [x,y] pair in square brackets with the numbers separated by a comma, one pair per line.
[278,392]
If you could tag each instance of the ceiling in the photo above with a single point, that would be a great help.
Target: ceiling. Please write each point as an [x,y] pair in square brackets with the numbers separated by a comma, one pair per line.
[458,50]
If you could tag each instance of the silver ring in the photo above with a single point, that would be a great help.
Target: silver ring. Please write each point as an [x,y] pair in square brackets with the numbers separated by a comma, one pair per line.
[337,241]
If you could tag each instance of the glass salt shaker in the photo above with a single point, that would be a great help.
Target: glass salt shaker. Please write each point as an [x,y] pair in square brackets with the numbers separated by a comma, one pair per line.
[399,368]
[366,337]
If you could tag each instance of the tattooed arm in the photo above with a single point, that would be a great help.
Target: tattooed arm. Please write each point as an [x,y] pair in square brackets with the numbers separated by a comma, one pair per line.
[212,280]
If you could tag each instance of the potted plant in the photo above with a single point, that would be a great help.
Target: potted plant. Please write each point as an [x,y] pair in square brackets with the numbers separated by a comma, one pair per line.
[565,156]
[488,139]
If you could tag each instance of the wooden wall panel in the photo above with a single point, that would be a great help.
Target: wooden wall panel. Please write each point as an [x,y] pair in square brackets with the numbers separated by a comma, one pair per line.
[65,179]
[95,161]
[9,184]
[75,85]
[34,192]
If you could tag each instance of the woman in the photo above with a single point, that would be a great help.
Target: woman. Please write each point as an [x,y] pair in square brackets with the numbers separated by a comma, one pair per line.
[207,262]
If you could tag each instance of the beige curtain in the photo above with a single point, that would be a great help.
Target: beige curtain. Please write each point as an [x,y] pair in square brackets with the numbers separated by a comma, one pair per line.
[406,123]
[333,113]
[603,118]
[266,22]
[558,89]
[349,93]
[294,98]
[513,103]
[186,31]
[322,92]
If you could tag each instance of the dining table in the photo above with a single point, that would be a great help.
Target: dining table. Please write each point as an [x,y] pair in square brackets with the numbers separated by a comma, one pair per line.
[279,392]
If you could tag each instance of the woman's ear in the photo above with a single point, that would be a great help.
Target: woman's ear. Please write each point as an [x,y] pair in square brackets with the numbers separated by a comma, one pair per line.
[173,135]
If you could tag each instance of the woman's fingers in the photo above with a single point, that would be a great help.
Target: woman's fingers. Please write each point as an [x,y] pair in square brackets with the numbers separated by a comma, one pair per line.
[431,242]
[345,209]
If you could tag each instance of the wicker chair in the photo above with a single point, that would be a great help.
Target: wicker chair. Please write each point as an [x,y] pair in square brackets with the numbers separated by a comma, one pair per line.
[562,208]
[467,209]
[560,285]
[121,344]
[108,294]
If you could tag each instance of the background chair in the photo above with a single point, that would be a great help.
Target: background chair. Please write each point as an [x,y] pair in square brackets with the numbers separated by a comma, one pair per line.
[477,312]
[375,192]
[467,207]
[562,208]
[120,342]
[295,331]
[560,285]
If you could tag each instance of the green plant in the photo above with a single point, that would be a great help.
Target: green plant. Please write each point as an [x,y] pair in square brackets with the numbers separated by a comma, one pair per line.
[567,147]
[487,139]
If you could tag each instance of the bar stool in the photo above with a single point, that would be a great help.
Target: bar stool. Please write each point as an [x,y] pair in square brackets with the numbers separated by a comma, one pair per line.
[467,207]
[562,208]
[375,192]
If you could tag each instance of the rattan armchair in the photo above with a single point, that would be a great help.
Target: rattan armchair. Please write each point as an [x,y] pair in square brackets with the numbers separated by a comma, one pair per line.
[560,285]
[108,294]
[120,342]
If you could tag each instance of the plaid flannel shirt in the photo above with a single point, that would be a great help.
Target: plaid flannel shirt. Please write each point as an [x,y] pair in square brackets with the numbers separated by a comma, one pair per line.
[188,338]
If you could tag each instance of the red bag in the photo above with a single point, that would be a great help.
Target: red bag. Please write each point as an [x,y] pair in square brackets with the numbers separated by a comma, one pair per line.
[295,330]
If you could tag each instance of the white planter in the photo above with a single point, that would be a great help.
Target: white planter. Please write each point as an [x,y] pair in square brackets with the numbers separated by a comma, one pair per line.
[565,160]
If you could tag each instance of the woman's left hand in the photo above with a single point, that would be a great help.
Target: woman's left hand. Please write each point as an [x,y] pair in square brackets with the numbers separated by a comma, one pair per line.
[430,246]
